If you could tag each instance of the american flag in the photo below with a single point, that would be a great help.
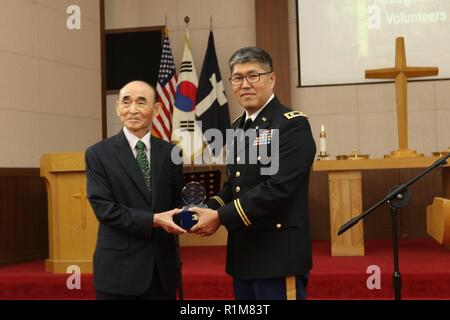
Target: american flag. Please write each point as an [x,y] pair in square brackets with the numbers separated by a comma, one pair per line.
[166,88]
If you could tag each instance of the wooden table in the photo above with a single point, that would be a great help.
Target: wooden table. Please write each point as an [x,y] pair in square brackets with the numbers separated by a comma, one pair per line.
[344,179]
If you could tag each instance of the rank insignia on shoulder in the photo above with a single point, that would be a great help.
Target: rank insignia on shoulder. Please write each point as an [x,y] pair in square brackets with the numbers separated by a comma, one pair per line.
[294,114]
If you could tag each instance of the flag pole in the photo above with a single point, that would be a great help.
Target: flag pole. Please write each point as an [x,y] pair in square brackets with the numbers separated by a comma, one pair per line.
[166,29]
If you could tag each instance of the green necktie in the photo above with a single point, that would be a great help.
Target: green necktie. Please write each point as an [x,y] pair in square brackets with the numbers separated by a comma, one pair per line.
[143,163]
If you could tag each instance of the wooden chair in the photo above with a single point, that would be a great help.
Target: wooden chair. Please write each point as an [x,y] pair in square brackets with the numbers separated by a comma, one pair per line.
[438,220]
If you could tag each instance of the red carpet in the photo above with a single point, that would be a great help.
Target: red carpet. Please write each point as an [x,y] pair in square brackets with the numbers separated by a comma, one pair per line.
[424,266]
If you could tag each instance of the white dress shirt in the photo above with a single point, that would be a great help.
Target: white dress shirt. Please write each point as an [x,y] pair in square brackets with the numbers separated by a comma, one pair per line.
[254,115]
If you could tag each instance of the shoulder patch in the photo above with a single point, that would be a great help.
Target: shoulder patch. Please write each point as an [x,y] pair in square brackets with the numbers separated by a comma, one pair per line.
[294,114]
[236,119]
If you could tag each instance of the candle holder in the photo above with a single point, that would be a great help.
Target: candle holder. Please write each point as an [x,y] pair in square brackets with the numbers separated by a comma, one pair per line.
[354,155]
[440,153]
[323,155]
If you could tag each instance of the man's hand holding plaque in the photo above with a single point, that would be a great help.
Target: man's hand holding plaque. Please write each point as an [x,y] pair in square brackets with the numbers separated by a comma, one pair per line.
[208,221]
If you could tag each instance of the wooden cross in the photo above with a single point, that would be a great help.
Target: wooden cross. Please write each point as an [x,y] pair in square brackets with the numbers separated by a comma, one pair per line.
[401,72]
[83,198]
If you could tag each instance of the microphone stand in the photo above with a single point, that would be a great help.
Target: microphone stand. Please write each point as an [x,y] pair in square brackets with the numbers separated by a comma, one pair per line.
[398,197]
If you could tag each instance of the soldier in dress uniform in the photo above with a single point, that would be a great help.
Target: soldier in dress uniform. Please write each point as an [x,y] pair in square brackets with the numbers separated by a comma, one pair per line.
[266,215]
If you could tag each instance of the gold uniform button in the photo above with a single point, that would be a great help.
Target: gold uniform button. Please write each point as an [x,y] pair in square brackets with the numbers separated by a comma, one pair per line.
[238,189]
[259,158]
[238,174]
[238,159]
[278,225]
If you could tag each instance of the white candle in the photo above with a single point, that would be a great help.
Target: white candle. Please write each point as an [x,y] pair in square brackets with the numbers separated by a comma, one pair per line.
[323,141]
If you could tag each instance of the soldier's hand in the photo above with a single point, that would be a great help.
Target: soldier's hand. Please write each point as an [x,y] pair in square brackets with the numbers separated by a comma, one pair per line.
[208,221]
[165,220]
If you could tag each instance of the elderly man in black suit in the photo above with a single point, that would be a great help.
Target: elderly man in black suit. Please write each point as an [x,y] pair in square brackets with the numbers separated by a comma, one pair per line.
[133,187]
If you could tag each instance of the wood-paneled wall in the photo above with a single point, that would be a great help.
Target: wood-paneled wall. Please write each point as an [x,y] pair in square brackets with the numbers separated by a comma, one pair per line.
[272,34]
[23,215]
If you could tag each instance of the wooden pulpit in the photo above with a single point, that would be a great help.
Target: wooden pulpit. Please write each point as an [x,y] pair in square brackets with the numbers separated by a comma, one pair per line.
[72,225]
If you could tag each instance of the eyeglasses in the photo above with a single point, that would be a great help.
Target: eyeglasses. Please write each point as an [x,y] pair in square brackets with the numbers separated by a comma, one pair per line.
[237,80]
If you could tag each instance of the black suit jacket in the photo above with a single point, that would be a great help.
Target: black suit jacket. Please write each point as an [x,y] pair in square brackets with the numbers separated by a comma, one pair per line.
[267,215]
[128,247]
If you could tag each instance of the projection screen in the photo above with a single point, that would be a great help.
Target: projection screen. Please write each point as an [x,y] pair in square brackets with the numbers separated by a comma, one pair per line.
[339,39]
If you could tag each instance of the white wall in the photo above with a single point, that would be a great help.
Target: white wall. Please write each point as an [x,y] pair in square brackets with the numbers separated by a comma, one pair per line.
[363,117]
[233,26]
[50,92]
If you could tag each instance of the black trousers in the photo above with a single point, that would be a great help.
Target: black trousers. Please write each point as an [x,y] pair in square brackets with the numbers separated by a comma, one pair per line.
[154,292]
[270,289]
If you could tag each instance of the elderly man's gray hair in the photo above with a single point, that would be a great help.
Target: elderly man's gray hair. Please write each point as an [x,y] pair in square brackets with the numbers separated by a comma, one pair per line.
[250,54]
